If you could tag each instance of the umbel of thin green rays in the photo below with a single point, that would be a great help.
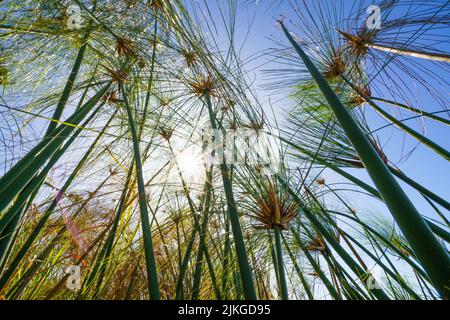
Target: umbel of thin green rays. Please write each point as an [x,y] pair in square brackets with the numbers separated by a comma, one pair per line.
[429,251]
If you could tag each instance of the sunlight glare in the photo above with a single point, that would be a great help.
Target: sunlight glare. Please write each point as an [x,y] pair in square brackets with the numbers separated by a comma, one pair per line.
[191,165]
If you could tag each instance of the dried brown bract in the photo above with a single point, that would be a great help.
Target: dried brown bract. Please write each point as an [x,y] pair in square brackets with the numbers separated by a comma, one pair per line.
[204,85]
[166,133]
[316,244]
[124,47]
[336,66]
[275,210]
[190,57]
[116,75]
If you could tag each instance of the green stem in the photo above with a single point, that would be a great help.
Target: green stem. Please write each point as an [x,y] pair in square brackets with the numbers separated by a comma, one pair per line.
[244,267]
[411,109]
[68,87]
[199,262]
[152,275]
[281,274]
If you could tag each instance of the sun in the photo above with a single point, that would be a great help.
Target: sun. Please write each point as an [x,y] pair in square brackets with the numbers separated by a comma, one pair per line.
[190,162]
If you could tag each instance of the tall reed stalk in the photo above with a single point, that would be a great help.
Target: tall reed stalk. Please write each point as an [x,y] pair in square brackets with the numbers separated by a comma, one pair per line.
[152,274]
[246,274]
